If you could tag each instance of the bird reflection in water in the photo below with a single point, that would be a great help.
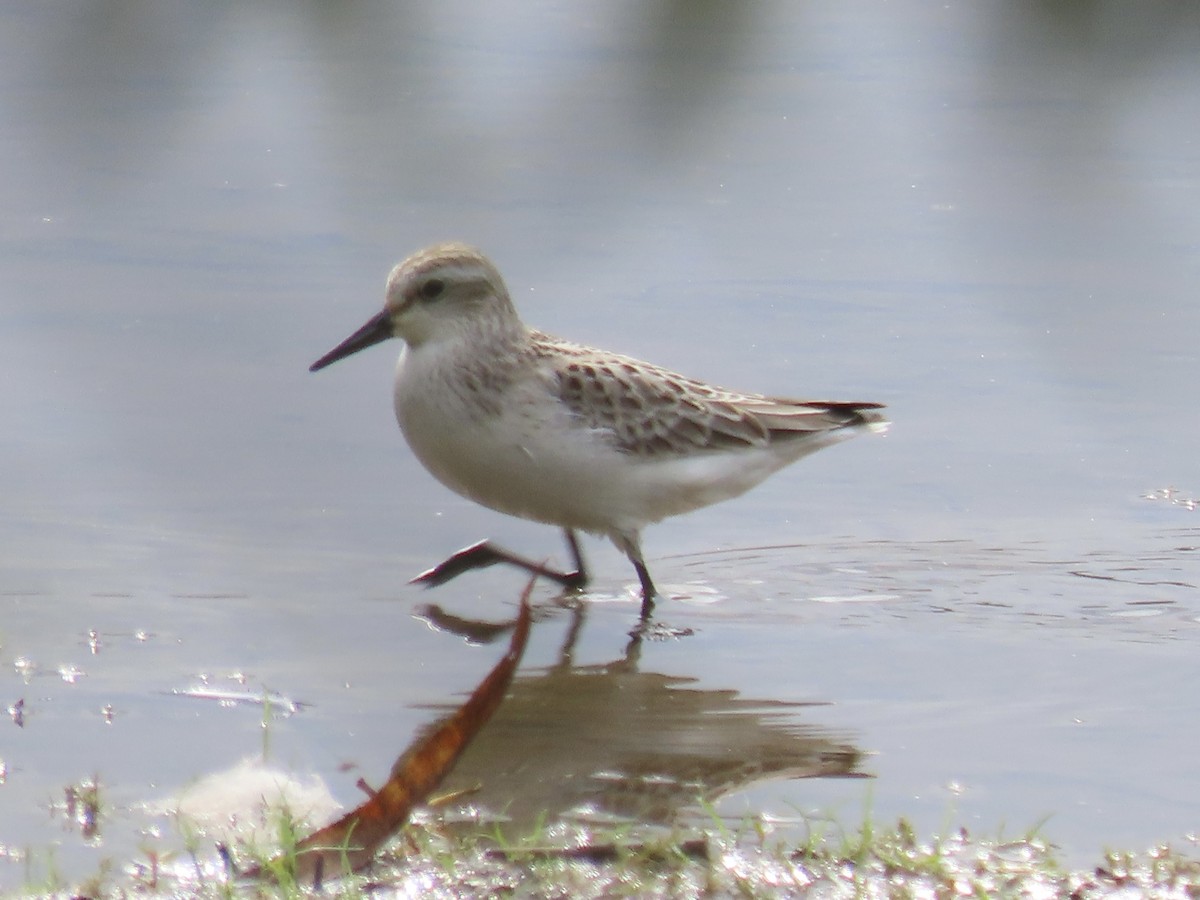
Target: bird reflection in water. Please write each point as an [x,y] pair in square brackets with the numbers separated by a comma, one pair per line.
[612,744]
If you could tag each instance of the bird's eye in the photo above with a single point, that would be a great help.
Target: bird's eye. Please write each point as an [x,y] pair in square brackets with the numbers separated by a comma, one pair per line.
[432,289]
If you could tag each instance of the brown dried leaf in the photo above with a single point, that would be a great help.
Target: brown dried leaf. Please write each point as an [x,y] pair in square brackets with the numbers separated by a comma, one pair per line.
[351,842]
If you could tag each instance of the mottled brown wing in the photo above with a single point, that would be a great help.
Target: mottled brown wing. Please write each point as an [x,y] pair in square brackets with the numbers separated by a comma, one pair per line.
[651,411]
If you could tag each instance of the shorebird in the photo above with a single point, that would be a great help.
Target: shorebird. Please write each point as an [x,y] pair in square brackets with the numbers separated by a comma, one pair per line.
[585,439]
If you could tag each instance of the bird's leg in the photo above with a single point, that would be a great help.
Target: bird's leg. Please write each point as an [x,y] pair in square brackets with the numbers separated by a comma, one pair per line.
[630,545]
[649,591]
[484,553]
[578,579]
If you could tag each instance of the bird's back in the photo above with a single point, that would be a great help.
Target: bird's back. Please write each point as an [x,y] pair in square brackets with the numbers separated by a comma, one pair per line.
[653,412]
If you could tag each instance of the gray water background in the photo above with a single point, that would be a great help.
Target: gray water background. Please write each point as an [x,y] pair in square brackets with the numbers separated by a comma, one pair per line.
[983,215]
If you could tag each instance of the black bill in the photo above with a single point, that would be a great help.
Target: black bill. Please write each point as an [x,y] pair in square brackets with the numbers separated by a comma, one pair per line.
[378,328]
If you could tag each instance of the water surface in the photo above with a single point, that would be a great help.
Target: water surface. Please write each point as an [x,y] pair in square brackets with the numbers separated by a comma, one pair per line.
[984,217]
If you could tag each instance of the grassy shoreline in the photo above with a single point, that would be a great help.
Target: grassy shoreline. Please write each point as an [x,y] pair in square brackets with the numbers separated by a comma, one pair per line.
[429,860]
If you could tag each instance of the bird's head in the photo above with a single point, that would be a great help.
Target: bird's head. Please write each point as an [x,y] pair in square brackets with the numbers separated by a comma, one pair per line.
[436,294]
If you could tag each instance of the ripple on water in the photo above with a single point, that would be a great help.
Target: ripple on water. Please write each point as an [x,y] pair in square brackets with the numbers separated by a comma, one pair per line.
[1146,590]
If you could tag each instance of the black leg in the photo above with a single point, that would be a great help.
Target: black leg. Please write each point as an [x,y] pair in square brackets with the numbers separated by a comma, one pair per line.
[484,553]
[630,544]
[580,574]
[649,591]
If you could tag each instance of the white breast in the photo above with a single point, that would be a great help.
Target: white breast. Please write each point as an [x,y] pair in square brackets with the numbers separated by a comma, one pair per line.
[519,451]
[516,451]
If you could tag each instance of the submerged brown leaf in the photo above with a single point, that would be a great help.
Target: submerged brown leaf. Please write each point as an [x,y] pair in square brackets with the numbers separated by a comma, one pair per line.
[351,842]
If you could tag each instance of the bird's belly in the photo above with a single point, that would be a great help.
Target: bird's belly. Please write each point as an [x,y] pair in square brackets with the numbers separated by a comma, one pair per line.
[526,457]
[570,477]
[556,474]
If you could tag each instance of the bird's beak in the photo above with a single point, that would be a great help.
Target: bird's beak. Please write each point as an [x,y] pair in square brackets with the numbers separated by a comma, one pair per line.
[378,328]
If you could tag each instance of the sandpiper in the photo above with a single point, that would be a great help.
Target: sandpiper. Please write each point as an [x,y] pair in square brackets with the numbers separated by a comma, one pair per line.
[541,428]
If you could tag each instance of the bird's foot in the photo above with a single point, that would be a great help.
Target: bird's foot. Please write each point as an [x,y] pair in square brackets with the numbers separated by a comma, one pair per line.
[482,554]
[479,555]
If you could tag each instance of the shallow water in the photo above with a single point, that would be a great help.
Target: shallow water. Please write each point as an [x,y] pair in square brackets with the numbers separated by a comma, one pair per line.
[982,217]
